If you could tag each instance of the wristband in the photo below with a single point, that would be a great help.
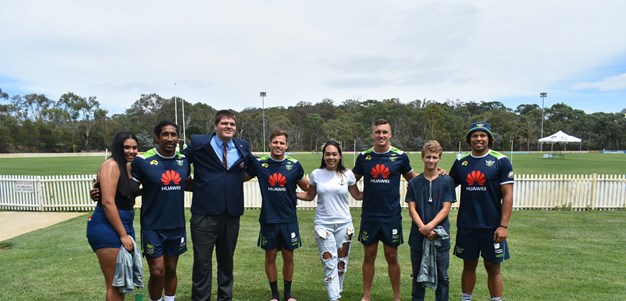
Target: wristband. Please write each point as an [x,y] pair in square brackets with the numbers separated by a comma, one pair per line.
[503,226]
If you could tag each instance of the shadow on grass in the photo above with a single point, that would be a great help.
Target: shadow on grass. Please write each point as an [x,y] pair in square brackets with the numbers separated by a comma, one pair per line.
[5,246]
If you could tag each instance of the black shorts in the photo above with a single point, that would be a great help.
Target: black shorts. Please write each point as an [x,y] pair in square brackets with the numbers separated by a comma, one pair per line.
[279,236]
[159,242]
[470,243]
[388,230]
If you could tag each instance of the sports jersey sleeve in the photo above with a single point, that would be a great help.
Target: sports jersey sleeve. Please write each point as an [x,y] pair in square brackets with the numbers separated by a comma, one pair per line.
[358,165]
[410,194]
[454,173]
[450,193]
[406,167]
[135,169]
[188,170]
[300,173]
[506,172]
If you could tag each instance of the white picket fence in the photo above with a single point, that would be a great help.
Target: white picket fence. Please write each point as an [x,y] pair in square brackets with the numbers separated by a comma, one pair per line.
[575,192]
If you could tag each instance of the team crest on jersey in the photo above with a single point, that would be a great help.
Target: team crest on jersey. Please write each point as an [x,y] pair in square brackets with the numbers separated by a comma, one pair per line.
[368,157]
[264,164]
[393,158]
[154,162]
[489,163]
[289,165]
[464,163]
[180,162]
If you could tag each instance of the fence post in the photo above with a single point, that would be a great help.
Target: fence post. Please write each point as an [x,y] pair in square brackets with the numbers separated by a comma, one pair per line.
[594,186]
[38,194]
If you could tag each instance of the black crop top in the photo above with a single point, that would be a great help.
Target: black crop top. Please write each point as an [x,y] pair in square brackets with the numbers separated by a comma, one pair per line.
[122,202]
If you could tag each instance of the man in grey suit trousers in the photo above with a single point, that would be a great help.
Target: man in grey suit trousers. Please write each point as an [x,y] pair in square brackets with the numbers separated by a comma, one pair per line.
[219,162]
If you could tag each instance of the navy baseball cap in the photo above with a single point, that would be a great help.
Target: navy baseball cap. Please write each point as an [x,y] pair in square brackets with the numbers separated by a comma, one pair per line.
[479,126]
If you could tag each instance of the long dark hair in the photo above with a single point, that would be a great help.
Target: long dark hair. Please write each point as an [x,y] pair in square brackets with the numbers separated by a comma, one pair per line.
[117,154]
[340,167]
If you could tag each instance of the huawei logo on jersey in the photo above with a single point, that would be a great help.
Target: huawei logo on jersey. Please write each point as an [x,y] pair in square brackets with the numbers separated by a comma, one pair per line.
[170,177]
[380,170]
[475,177]
[277,179]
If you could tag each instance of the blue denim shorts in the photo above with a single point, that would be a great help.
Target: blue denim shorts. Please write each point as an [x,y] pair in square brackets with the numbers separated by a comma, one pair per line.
[100,232]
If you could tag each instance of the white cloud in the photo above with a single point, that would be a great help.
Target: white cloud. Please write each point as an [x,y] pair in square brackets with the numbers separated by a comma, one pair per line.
[226,52]
[613,83]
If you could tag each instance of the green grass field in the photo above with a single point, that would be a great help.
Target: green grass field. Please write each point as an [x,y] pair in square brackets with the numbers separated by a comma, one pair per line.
[556,255]
[522,164]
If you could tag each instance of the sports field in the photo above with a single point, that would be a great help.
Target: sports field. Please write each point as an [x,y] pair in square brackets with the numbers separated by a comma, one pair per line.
[555,255]
[522,164]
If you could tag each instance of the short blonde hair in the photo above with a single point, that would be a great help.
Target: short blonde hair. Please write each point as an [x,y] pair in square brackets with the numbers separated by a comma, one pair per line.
[432,146]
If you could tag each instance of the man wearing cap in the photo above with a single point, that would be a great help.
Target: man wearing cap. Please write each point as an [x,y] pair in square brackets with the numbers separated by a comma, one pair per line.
[486,179]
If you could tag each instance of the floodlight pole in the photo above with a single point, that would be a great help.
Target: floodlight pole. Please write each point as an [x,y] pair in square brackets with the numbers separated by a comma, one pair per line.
[176,114]
[511,151]
[182,101]
[543,96]
[175,106]
[263,94]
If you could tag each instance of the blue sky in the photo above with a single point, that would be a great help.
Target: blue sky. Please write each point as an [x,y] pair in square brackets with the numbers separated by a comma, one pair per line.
[224,53]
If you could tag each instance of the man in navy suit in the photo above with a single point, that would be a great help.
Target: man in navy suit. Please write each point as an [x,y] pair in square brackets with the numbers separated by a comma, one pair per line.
[219,162]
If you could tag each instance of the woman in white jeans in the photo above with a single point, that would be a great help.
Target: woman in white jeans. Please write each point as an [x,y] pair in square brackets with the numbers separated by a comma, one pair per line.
[333,223]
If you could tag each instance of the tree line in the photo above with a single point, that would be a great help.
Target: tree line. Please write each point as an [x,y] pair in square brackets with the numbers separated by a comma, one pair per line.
[74,123]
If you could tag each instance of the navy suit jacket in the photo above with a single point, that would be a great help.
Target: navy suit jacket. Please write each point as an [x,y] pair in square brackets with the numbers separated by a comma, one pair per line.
[216,190]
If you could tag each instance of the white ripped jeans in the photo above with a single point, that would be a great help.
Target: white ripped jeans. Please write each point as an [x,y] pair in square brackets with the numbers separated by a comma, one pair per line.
[333,241]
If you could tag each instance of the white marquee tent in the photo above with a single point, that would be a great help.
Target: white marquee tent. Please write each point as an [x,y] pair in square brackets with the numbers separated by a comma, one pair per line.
[559,137]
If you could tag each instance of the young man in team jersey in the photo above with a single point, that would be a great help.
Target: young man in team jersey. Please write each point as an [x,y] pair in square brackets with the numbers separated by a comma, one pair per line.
[486,179]
[381,167]
[278,176]
[163,173]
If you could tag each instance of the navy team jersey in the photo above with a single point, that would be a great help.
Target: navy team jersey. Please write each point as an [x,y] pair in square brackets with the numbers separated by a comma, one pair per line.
[381,181]
[163,194]
[278,184]
[481,197]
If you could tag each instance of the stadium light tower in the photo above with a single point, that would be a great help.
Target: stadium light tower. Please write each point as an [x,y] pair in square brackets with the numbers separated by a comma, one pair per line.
[263,94]
[175,106]
[543,96]
[182,101]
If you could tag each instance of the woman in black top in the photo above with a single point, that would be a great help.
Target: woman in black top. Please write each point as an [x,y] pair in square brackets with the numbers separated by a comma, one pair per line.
[111,224]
